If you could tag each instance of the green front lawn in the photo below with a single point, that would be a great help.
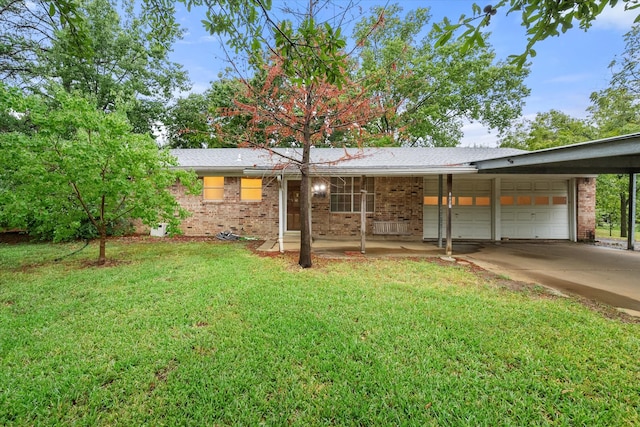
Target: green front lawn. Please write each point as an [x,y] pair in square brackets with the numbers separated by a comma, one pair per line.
[211,334]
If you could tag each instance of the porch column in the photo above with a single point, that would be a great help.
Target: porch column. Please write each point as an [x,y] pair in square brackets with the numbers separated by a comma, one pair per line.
[631,235]
[449,207]
[363,213]
[439,210]
[281,213]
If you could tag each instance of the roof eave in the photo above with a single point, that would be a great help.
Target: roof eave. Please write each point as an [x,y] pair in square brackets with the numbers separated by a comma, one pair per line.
[368,171]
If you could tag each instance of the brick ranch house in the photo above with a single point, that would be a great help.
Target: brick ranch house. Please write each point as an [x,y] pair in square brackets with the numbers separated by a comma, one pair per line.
[256,193]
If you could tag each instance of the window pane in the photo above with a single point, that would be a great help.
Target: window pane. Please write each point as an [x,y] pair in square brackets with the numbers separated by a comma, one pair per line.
[483,201]
[251,194]
[559,200]
[213,181]
[506,200]
[213,187]
[541,200]
[251,189]
[524,200]
[346,196]
[340,203]
[430,200]
[213,194]
[465,201]
[370,202]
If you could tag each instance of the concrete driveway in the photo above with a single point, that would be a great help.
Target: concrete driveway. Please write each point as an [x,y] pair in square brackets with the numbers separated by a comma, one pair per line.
[601,273]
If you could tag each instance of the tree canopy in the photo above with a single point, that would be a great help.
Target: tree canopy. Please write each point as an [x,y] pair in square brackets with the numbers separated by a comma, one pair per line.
[428,91]
[112,49]
[550,129]
[80,166]
[541,18]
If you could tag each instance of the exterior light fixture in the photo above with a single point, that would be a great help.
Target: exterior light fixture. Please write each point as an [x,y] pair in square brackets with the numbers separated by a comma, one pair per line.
[320,190]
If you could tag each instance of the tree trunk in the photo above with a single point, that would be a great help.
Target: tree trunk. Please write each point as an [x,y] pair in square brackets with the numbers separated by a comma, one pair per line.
[102,257]
[305,209]
[623,214]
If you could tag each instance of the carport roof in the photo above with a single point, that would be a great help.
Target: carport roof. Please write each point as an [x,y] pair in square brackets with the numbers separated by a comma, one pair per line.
[617,155]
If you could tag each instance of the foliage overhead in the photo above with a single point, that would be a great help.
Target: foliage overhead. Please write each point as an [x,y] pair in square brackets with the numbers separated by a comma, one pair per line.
[81,164]
[285,112]
[541,18]
[113,49]
[428,91]
[626,69]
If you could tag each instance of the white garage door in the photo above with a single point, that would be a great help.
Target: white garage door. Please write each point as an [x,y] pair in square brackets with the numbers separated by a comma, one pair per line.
[534,209]
[471,210]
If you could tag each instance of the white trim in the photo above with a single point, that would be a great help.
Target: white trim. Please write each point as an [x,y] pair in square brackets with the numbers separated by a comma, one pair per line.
[496,223]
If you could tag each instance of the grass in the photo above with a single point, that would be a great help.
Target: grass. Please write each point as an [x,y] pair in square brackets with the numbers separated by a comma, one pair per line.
[614,233]
[211,334]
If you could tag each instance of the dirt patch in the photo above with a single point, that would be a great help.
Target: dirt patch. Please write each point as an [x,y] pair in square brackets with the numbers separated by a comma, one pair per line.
[14,237]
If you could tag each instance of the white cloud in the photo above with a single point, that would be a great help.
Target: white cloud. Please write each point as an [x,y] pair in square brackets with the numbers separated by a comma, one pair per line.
[477,135]
[616,18]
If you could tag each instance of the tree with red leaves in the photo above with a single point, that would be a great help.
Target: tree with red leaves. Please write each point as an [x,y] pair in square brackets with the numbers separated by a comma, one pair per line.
[291,104]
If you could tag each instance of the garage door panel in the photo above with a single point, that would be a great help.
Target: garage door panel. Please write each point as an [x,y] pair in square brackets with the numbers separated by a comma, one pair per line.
[471,211]
[546,217]
[523,216]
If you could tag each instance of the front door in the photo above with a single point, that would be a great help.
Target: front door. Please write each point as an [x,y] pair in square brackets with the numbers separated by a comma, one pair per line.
[293,206]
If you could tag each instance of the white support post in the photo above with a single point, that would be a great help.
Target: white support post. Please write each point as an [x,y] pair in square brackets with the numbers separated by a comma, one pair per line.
[281,214]
[363,213]
[449,208]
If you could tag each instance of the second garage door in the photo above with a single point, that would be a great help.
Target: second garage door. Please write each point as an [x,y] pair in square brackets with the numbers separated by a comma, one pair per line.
[533,209]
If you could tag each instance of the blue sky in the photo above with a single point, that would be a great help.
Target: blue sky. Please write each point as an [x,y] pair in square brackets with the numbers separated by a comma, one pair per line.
[566,70]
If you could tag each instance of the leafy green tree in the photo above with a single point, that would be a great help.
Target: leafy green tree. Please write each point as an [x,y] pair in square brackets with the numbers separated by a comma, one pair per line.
[117,53]
[615,111]
[626,69]
[551,129]
[429,91]
[83,164]
[196,121]
[541,18]
[26,28]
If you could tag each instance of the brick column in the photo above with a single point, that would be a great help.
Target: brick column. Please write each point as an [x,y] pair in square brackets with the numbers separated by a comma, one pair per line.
[586,209]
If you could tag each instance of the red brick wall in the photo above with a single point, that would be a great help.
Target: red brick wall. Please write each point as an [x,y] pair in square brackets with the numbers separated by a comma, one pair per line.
[586,209]
[259,219]
[396,199]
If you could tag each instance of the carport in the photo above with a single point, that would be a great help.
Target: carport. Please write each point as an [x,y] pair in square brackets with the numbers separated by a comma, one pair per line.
[618,155]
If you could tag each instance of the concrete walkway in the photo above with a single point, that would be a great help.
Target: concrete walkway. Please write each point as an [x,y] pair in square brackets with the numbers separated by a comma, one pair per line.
[604,274]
